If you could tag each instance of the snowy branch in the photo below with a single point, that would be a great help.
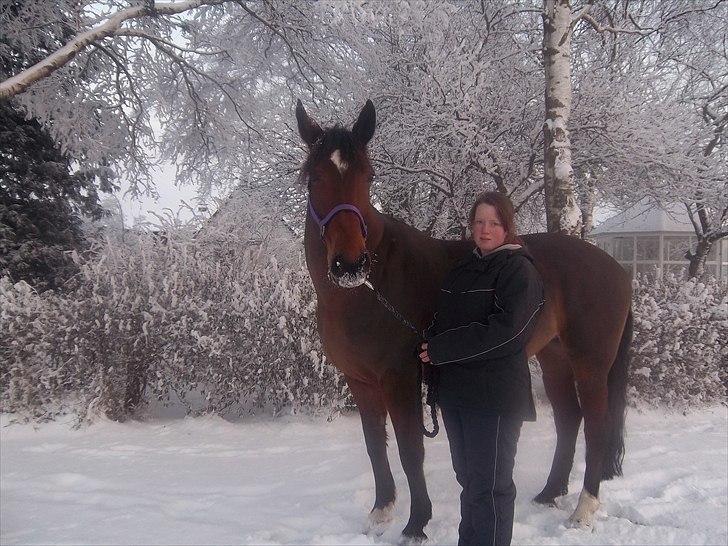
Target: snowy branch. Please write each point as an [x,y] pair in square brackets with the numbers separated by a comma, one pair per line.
[22,81]
[602,29]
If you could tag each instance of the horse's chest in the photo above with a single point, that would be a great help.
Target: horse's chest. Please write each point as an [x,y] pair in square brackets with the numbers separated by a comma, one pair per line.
[362,340]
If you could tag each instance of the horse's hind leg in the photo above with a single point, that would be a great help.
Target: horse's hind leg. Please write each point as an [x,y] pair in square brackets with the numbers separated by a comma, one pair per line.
[403,400]
[593,395]
[558,380]
[373,414]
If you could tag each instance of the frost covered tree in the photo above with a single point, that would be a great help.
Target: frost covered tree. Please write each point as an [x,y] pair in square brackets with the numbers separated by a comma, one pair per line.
[128,84]
[651,83]
[457,90]
[43,197]
[459,86]
[693,55]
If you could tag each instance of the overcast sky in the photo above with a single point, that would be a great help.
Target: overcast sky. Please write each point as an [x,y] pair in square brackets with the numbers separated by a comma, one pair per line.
[171,197]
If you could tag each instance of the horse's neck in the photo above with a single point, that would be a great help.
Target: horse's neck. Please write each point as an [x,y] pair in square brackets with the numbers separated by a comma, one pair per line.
[402,245]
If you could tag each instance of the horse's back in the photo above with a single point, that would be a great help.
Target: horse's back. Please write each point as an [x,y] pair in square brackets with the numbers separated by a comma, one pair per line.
[588,295]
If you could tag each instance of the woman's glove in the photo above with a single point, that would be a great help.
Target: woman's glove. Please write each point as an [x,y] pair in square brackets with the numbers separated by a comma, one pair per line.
[423,356]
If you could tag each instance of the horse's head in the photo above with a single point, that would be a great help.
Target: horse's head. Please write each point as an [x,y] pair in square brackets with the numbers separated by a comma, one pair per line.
[338,174]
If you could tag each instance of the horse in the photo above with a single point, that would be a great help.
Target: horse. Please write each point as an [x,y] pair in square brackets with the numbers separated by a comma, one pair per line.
[581,339]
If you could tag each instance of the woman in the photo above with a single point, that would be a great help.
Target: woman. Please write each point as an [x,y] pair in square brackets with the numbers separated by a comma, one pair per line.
[487,310]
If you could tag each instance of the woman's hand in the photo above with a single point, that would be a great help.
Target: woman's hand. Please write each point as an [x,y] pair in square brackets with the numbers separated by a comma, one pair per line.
[424,357]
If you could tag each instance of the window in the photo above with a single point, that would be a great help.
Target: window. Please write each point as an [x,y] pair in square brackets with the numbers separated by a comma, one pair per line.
[679,271]
[624,249]
[648,270]
[713,254]
[675,248]
[648,249]
[605,245]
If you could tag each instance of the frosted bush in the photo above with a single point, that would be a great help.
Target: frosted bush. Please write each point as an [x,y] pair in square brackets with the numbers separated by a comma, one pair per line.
[167,317]
[203,321]
[680,347]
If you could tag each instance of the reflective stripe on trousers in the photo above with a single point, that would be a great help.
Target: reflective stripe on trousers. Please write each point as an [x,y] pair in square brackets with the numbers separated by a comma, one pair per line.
[483,450]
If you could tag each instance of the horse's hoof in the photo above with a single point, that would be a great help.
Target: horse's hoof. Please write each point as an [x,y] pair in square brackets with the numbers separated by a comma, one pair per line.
[584,524]
[412,538]
[548,498]
[545,500]
[586,509]
[379,519]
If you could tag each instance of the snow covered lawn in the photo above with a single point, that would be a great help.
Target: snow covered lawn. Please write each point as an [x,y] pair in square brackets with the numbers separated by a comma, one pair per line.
[305,480]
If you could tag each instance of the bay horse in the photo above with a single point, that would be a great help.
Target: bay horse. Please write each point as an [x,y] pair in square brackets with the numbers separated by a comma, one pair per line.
[581,340]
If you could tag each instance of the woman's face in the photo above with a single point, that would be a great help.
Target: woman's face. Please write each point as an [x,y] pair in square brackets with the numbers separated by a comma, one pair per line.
[488,231]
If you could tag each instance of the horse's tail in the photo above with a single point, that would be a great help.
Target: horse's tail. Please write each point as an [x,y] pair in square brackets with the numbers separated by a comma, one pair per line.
[617,400]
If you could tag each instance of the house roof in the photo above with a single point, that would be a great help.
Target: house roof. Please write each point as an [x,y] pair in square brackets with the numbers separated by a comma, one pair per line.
[647,216]
[255,220]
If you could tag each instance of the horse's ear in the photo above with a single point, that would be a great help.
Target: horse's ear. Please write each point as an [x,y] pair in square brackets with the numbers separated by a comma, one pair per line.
[307,128]
[363,129]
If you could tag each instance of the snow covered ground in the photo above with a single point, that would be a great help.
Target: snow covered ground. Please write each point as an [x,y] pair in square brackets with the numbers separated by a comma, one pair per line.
[307,481]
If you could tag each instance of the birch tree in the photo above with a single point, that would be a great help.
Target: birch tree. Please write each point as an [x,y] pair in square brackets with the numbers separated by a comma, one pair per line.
[562,212]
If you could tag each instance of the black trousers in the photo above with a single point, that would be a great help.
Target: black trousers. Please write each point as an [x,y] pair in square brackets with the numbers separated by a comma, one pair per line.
[483,449]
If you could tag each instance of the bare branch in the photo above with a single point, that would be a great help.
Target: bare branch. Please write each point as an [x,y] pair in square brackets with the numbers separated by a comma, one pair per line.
[297,57]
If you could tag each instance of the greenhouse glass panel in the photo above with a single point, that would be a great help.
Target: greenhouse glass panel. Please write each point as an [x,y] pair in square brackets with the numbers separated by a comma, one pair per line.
[647,271]
[679,271]
[624,248]
[675,248]
[648,248]
[713,254]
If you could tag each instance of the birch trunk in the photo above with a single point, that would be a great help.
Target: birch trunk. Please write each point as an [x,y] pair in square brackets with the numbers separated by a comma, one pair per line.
[562,212]
[587,201]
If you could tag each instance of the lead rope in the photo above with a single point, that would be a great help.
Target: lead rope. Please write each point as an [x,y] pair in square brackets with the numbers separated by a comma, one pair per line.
[427,374]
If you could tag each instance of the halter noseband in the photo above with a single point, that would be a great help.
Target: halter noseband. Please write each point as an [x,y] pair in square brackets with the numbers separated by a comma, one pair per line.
[333,212]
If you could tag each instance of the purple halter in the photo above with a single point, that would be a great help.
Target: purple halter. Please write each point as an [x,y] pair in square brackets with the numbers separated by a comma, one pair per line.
[333,212]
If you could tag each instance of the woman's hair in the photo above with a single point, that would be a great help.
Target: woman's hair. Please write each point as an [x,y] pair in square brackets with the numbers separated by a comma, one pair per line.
[503,206]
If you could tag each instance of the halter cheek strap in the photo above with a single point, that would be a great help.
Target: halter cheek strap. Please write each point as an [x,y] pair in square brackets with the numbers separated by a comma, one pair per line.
[333,212]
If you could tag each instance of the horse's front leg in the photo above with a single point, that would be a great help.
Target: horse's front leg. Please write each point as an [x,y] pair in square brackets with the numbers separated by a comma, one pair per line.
[373,414]
[404,403]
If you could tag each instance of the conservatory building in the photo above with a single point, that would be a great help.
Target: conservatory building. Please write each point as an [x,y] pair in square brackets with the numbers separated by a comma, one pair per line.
[649,240]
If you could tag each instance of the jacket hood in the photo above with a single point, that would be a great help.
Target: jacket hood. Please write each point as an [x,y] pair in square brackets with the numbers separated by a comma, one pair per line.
[497,255]
[507,246]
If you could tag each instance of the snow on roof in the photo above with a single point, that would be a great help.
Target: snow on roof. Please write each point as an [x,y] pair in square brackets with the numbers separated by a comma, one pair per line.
[647,216]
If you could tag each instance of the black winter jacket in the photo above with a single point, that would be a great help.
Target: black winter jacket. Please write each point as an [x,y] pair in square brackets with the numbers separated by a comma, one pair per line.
[487,311]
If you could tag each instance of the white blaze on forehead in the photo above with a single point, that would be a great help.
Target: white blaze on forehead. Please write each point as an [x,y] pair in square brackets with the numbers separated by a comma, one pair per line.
[338,161]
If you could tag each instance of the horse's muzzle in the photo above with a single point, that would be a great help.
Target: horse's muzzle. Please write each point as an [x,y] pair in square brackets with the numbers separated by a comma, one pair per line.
[349,274]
